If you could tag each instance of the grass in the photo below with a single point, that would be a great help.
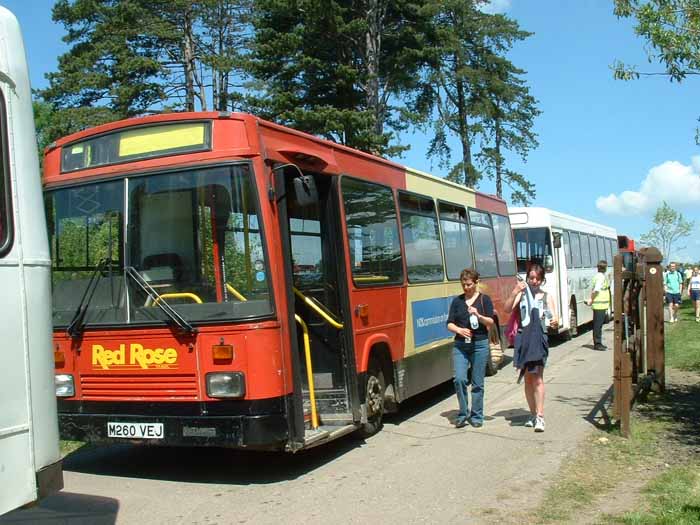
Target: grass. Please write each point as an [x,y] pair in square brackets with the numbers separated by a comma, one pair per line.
[608,467]
[672,498]
[682,340]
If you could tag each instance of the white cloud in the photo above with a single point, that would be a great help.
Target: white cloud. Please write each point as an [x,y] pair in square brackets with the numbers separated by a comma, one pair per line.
[673,182]
[496,6]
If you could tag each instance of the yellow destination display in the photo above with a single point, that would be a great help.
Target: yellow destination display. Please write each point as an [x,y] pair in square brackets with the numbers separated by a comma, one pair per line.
[161,138]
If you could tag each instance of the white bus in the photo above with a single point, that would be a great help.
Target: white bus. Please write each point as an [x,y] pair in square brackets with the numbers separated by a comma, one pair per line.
[569,249]
[30,465]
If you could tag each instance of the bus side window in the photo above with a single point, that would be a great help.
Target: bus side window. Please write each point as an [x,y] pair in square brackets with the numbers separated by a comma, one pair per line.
[567,249]
[455,239]
[6,226]
[504,244]
[484,243]
[602,252]
[575,250]
[373,233]
[421,238]
[585,251]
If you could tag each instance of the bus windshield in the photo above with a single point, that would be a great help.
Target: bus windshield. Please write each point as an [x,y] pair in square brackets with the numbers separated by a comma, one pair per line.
[533,245]
[194,236]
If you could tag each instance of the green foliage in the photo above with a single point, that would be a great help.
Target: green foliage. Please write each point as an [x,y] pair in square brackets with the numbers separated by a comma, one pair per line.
[472,91]
[52,123]
[671,29]
[350,91]
[112,61]
[669,227]
[127,58]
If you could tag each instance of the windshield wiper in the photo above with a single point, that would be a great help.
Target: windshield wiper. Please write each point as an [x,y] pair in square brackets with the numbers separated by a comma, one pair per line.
[77,324]
[158,300]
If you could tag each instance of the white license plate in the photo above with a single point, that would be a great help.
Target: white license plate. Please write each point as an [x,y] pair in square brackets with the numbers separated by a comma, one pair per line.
[135,430]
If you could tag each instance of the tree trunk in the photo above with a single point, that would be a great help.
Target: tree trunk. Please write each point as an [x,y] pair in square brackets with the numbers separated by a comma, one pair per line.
[188,56]
[498,159]
[373,41]
[464,135]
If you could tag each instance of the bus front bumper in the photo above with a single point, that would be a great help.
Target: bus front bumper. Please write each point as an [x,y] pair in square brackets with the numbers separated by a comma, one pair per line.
[259,432]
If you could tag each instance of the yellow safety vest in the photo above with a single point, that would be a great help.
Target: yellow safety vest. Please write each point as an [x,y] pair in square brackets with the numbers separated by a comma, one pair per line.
[602,299]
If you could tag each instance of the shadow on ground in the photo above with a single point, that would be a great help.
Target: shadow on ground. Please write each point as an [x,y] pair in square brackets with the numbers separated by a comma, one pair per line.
[69,508]
[680,404]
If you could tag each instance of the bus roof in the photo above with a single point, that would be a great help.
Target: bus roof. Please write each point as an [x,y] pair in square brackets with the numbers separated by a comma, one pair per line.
[528,217]
[326,152]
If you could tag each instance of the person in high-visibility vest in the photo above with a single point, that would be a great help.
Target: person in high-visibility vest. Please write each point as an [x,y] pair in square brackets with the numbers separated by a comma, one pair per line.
[600,302]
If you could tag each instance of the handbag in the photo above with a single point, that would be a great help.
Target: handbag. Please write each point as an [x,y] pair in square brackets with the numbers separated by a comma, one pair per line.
[513,326]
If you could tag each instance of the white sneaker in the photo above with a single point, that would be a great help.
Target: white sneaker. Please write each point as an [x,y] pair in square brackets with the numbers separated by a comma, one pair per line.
[530,422]
[539,424]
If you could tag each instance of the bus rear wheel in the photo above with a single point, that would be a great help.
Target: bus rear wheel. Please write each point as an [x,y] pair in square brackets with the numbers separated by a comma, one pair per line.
[374,399]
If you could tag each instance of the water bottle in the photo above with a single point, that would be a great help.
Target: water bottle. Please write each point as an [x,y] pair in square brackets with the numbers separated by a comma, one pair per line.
[473,321]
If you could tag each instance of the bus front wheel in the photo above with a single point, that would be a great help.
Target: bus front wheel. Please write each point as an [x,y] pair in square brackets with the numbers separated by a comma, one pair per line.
[374,399]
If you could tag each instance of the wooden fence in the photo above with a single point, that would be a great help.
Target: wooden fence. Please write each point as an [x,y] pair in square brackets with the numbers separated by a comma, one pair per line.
[639,330]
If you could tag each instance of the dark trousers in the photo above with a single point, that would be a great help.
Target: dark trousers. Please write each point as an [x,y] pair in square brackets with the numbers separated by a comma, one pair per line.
[598,320]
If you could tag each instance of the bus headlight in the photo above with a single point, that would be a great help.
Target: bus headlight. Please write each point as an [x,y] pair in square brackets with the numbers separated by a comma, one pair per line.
[225,384]
[65,387]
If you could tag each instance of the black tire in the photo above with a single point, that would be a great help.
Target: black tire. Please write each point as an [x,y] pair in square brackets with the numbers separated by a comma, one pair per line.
[573,321]
[374,399]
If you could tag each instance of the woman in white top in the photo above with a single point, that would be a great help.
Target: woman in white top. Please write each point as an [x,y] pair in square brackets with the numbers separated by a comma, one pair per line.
[694,292]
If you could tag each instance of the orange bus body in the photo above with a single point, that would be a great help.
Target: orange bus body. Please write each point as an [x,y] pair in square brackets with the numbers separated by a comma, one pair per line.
[147,380]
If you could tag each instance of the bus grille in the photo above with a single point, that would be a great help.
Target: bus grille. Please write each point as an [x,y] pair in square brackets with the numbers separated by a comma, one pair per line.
[133,387]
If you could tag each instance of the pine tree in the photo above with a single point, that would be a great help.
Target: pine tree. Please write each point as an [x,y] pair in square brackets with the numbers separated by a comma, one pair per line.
[338,69]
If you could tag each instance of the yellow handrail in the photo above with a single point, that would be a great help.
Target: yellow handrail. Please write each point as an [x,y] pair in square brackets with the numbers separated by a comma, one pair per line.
[309,372]
[181,295]
[371,278]
[316,308]
[235,293]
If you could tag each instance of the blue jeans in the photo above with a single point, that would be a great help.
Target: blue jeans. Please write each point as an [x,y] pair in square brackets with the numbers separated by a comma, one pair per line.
[464,356]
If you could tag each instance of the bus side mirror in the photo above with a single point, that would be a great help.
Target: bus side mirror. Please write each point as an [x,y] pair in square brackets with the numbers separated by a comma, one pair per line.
[556,239]
[548,263]
[305,190]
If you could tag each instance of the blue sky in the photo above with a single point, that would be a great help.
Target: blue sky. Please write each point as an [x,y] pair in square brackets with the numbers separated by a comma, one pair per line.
[610,151]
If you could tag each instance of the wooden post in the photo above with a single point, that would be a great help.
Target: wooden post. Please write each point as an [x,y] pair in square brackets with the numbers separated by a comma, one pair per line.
[619,327]
[654,292]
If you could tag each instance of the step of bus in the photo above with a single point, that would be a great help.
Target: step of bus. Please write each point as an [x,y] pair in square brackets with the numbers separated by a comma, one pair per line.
[327,401]
[326,433]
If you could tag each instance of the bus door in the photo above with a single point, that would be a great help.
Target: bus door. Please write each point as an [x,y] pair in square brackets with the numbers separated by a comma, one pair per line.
[315,253]
[558,273]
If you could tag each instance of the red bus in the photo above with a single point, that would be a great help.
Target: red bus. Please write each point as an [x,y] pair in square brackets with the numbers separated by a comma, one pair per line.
[222,280]
[627,249]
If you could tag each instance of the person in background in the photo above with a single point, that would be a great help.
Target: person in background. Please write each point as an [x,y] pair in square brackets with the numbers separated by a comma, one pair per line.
[600,302]
[537,313]
[673,286]
[694,291]
[470,318]
[687,274]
